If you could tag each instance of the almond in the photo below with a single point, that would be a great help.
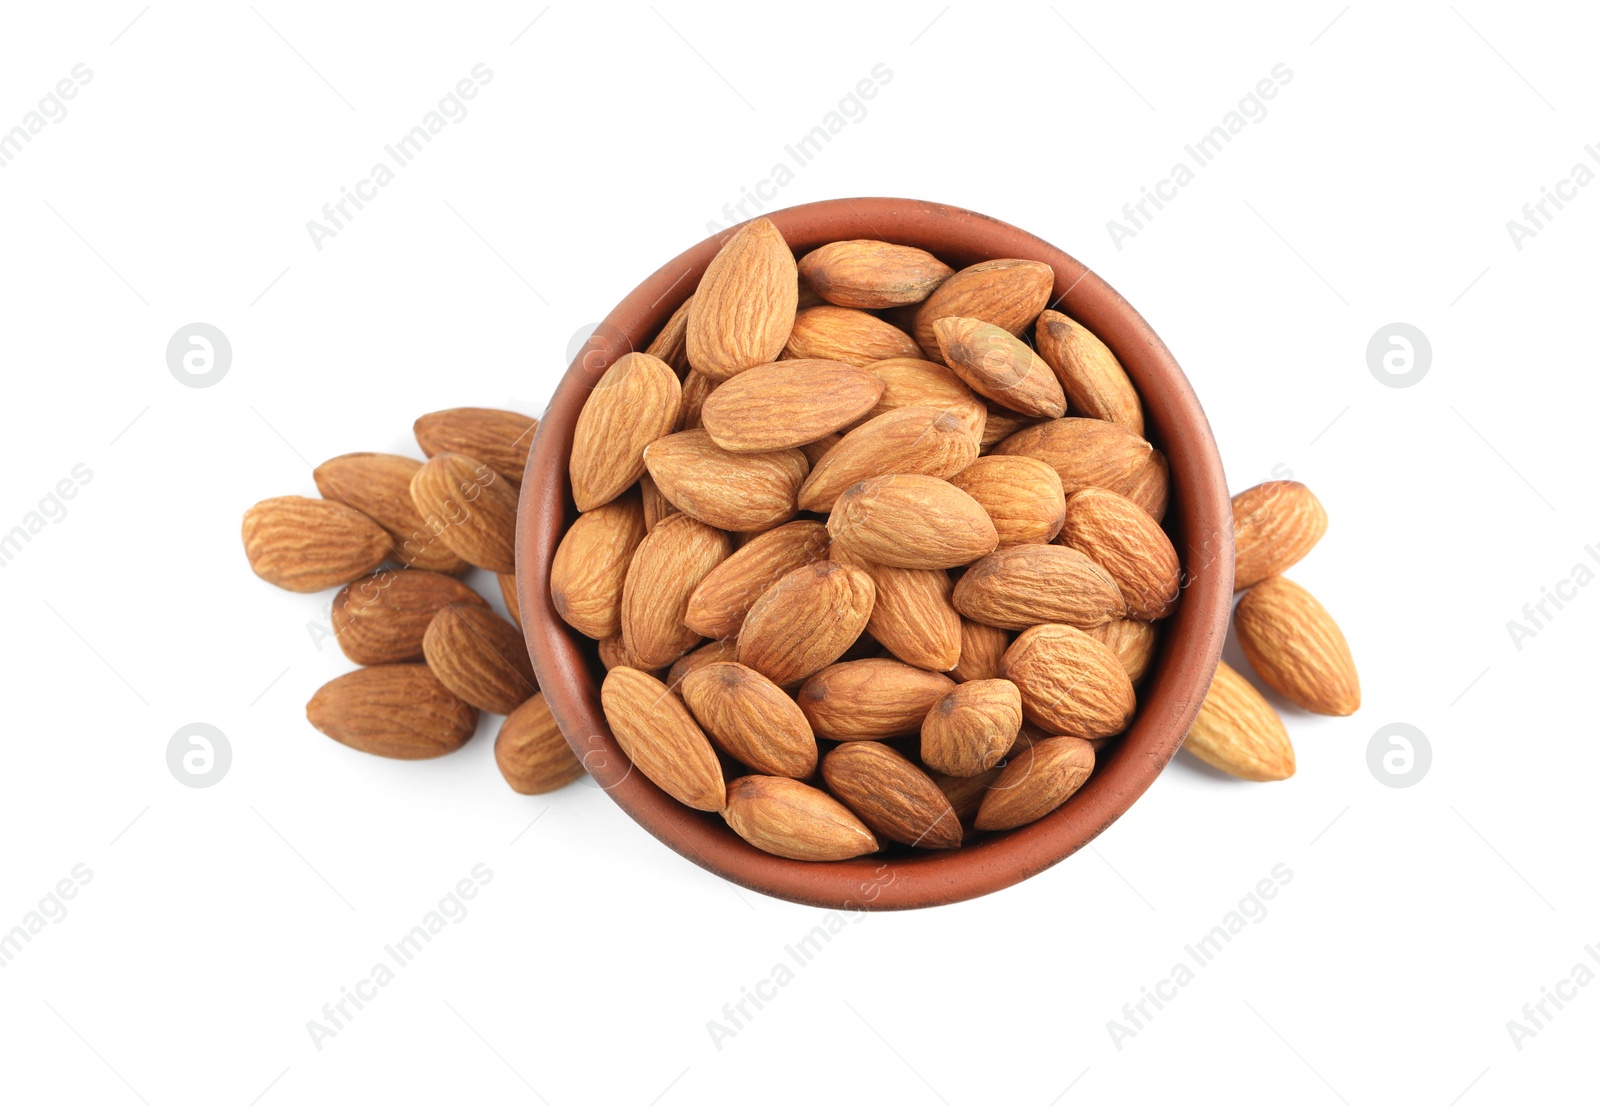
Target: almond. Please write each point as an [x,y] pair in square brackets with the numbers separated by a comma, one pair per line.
[1132,640]
[871,274]
[1021,495]
[636,401]
[669,346]
[613,653]
[912,521]
[911,440]
[744,307]
[1025,584]
[1000,423]
[970,729]
[999,366]
[867,700]
[711,652]
[469,506]
[656,506]
[591,565]
[805,621]
[381,619]
[392,710]
[481,657]
[787,404]
[894,797]
[752,719]
[379,485]
[794,820]
[1090,453]
[1070,683]
[666,568]
[909,382]
[1238,732]
[1038,781]
[1274,525]
[1009,293]
[1292,641]
[1095,383]
[982,646]
[847,336]
[1125,541]
[719,604]
[507,582]
[531,753]
[661,739]
[310,544]
[912,615]
[965,793]
[696,389]
[737,491]
[819,448]
[498,437]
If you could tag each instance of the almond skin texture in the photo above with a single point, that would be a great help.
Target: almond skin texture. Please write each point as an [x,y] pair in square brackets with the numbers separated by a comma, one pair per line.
[1094,381]
[742,492]
[969,730]
[919,382]
[696,389]
[805,621]
[1238,732]
[311,544]
[1036,783]
[894,797]
[1089,453]
[1025,584]
[638,400]
[591,566]
[1294,644]
[912,521]
[847,336]
[481,657]
[498,437]
[911,440]
[531,753]
[1120,537]
[752,719]
[379,486]
[1009,293]
[1133,641]
[744,307]
[470,507]
[661,738]
[982,646]
[1000,367]
[912,616]
[787,404]
[711,652]
[868,700]
[666,568]
[392,710]
[669,346]
[965,793]
[381,618]
[719,604]
[1274,526]
[871,274]
[507,582]
[794,820]
[1021,495]
[656,506]
[1070,683]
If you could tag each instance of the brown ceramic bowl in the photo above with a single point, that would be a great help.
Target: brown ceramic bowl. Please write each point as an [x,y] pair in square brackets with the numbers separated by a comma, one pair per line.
[1199,520]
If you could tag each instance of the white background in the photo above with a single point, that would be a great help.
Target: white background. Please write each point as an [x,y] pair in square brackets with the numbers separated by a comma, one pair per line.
[1419,921]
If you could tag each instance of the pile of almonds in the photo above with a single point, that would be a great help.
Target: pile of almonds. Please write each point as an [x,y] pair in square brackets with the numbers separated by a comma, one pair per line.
[396,534]
[854,573]
[1288,637]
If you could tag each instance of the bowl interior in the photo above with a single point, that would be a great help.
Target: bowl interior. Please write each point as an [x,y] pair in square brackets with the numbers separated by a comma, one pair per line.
[1198,519]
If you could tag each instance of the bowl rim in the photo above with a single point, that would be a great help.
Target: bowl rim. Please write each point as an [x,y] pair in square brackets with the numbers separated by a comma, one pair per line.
[1199,518]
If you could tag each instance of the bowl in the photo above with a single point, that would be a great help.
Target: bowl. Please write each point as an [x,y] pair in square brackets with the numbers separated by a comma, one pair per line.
[1199,519]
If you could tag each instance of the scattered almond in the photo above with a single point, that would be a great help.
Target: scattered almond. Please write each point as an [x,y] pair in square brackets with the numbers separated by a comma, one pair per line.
[1274,525]
[381,618]
[1293,643]
[531,753]
[498,437]
[1238,732]
[311,544]
[470,507]
[480,656]
[392,710]
[379,485]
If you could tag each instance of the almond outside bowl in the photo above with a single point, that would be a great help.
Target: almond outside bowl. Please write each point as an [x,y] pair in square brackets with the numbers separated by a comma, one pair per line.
[1199,520]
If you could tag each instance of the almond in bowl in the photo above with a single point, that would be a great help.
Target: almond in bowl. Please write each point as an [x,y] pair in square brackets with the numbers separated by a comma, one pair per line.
[856,651]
